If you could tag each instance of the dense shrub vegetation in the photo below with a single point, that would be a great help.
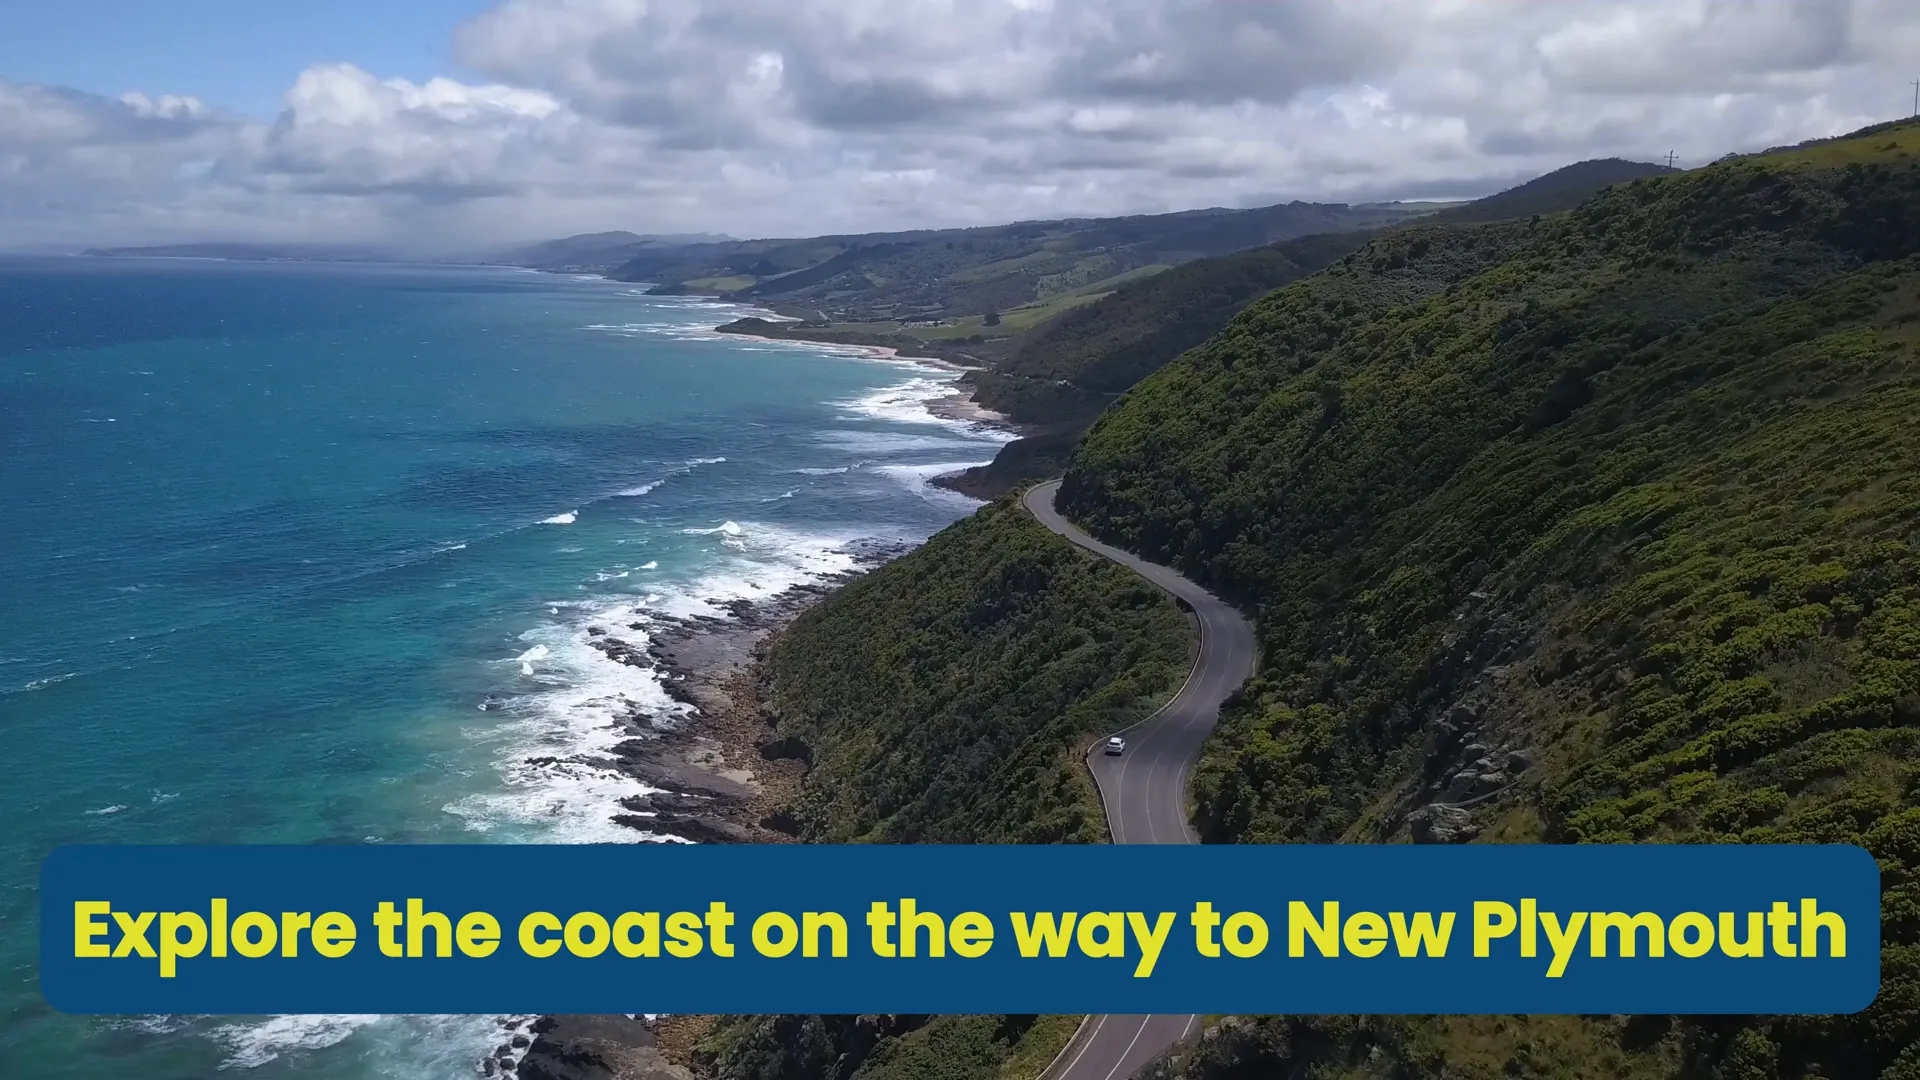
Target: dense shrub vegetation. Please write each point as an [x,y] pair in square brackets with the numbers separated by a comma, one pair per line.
[1635,488]
[941,695]
[1072,366]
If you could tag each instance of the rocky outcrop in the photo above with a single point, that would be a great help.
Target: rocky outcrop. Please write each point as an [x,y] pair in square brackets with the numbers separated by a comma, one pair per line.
[596,1048]
[1441,824]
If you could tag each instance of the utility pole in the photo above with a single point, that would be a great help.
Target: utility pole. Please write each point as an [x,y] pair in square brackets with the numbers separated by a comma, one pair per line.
[1915,83]
[1670,156]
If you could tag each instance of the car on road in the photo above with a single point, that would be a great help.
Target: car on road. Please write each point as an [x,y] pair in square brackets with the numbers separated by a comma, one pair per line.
[1116,745]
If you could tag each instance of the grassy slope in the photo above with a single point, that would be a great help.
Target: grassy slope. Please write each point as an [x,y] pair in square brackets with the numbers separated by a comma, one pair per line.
[1636,487]
[942,699]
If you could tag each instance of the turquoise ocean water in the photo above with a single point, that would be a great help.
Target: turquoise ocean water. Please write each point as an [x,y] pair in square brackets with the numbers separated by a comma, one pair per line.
[302,553]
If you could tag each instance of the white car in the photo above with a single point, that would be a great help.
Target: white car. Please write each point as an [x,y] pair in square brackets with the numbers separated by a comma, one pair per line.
[1116,745]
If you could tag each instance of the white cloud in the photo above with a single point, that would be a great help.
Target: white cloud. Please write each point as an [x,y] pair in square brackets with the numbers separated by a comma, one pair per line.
[799,116]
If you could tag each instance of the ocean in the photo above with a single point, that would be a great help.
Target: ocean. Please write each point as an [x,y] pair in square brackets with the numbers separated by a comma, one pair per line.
[306,553]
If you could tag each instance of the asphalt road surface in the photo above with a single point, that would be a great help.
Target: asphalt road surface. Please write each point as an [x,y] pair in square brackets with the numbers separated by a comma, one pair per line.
[1145,789]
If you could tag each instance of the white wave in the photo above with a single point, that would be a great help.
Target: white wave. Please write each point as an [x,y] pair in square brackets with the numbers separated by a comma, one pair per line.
[42,684]
[787,494]
[903,403]
[569,725]
[836,471]
[567,518]
[910,402]
[253,1045]
[686,467]
[533,656]
[919,480]
[763,559]
[114,809]
[654,565]
[730,528]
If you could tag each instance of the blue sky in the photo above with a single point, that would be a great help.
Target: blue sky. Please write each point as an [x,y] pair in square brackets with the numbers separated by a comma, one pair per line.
[238,55]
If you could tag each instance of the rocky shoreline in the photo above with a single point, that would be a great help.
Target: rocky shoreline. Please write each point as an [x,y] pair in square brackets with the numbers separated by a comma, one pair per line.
[723,776]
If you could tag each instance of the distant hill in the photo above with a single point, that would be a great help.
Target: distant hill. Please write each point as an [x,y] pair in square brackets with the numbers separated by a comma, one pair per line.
[1069,368]
[1561,189]
[597,252]
[254,252]
[946,274]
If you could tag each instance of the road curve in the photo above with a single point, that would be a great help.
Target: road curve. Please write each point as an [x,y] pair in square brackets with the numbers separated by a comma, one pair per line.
[1145,789]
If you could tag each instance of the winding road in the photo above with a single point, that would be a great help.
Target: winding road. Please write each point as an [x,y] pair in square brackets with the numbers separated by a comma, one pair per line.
[1145,789]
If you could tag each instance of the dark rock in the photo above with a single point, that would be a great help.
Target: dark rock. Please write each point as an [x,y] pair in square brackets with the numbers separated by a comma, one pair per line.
[597,1048]
[669,801]
[1460,786]
[1520,761]
[1488,783]
[596,631]
[519,1041]
[788,748]
[781,821]
[700,830]
[621,652]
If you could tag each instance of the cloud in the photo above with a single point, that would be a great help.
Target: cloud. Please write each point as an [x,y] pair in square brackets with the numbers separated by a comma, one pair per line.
[801,116]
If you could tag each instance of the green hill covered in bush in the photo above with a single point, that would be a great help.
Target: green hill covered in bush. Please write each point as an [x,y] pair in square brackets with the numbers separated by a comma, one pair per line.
[939,698]
[1069,368]
[1602,527]
[944,698]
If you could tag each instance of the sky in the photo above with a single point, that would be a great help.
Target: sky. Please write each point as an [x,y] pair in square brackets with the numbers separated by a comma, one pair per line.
[449,124]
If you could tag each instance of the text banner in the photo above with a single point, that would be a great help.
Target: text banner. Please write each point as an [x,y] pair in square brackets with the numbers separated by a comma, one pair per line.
[672,928]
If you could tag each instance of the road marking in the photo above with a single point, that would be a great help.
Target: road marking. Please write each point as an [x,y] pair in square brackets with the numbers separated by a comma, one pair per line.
[1123,1054]
[1092,1037]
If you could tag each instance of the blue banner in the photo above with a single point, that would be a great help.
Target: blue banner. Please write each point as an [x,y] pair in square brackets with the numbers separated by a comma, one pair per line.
[671,928]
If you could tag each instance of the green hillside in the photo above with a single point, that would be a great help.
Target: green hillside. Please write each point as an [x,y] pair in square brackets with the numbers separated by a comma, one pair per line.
[893,280]
[1606,524]
[944,698]
[939,698]
[1070,368]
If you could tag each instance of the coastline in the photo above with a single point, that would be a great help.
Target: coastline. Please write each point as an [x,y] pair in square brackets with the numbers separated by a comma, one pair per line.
[720,773]
[723,774]
[960,405]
